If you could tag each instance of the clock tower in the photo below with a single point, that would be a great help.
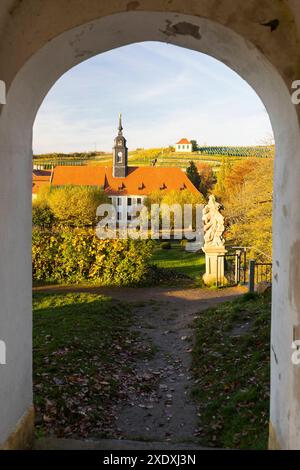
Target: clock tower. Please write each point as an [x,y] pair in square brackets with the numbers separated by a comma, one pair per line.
[120,153]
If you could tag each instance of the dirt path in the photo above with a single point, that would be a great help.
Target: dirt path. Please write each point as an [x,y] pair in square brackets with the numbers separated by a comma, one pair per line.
[184,297]
[164,316]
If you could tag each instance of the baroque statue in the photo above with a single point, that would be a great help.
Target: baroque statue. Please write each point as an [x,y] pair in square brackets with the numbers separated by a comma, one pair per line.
[213,224]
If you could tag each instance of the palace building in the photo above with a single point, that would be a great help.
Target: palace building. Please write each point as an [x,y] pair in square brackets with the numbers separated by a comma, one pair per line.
[127,186]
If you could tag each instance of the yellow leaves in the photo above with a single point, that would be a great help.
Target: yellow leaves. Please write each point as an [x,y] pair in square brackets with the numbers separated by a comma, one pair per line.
[249,211]
[76,205]
[74,255]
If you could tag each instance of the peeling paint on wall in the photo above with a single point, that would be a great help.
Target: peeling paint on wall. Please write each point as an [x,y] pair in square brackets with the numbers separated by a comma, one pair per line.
[183,28]
[15,7]
[132,6]
[273,24]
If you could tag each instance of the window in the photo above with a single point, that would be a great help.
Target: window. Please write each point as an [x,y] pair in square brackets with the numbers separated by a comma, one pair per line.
[119,157]
[179,146]
[139,200]
[119,216]
[129,201]
[119,201]
[183,146]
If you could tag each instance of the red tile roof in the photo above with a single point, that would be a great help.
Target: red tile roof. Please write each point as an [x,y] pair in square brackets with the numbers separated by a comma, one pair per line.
[40,178]
[139,181]
[184,141]
[86,175]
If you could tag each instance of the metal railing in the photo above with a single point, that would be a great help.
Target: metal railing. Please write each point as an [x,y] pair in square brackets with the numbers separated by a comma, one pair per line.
[259,272]
[228,270]
[233,268]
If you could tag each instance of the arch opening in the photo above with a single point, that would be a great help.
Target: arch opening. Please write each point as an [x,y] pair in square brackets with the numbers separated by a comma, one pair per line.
[24,97]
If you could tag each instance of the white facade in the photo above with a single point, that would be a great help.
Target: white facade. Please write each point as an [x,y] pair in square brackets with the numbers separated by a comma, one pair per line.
[184,148]
[127,206]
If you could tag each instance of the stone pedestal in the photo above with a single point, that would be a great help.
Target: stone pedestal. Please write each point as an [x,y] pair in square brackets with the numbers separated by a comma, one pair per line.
[214,264]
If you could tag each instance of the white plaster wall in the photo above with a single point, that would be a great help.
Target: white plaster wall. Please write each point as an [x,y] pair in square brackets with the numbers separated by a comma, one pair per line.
[15,264]
[187,148]
[124,208]
[26,94]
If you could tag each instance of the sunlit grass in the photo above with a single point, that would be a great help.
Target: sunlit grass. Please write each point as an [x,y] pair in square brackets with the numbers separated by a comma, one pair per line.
[179,260]
[231,366]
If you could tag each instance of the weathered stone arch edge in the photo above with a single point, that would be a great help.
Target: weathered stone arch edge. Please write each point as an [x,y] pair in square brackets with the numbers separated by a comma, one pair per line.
[41,71]
[78,44]
[28,26]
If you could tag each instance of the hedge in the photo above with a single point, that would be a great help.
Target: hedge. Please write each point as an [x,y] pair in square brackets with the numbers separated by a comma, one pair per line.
[77,255]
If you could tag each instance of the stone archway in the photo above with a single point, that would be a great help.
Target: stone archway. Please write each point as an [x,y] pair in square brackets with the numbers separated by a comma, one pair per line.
[63,37]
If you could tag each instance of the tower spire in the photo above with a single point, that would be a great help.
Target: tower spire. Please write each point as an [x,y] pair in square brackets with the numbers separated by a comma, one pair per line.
[120,124]
[120,153]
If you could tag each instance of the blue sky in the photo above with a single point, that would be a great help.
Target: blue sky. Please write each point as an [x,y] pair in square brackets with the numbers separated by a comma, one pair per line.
[164,93]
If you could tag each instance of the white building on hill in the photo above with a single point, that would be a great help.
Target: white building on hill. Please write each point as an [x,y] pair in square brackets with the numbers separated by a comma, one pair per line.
[184,146]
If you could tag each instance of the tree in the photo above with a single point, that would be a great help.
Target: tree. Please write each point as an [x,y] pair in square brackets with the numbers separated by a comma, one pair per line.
[207,178]
[182,197]
[170,198]
[76,205]
[194,145]
[239,174]
[193,175]
[268,140]
[248,211]
[223,173]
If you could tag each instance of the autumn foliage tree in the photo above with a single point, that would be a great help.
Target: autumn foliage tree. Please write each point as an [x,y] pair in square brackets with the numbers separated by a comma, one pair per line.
[220,189]
[193,175]
[248,207]
[171,198]
[207,178]
[74,206]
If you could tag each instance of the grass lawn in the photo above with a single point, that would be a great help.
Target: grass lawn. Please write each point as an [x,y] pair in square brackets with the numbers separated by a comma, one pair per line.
[181,261]
[231,365]
[83,353]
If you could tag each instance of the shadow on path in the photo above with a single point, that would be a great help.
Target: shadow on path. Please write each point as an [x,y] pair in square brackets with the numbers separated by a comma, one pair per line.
[164,317]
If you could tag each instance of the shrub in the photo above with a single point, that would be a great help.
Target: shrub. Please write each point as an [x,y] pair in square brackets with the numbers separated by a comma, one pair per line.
[76,205]
[173,197]
[77,255]
[42,216]
[166,246]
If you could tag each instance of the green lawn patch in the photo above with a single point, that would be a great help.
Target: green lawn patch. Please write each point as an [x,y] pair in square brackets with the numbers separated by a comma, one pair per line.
[83,352]
[231,365]
[180,261]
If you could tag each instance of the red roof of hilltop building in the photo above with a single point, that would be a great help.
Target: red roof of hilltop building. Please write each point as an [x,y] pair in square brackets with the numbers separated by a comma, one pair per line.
[139,180]
[183,141]
[40,178]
